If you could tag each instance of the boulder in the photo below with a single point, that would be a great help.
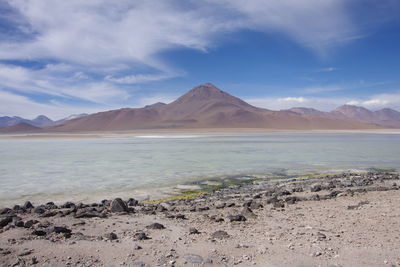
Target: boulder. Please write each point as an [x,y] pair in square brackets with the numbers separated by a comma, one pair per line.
[236,218]
[220,234]
[118,205]
[5,220]
[28,205]
[111,236]
[157,226]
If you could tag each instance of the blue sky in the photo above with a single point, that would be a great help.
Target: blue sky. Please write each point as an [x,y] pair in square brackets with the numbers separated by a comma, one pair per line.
[65,57]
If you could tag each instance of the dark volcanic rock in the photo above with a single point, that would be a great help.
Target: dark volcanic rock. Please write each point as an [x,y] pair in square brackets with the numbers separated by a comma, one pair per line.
[68,205]
[49,213]
[292,200]
[111,236]
[141,236]
[236,218]
[272,200]
[278,205]
[39,210]
[30,223]
[28,205]
[6,211]
[19,223]
[132,202]
[60,229]
[283,193]
[39,233]
[5,220]
[90,215]
[193,231]
[220,234]
[118,205]
[316,188]
[247,212]
[158,226]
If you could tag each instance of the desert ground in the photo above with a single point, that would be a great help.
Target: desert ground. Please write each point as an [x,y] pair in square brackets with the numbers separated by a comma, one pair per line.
[337,220]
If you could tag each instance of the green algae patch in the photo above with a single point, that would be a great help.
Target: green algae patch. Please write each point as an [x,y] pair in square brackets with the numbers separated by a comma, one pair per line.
[381,170]
[183,195]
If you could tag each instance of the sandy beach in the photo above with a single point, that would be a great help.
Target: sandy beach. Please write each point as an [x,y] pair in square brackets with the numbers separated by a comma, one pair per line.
[338,220]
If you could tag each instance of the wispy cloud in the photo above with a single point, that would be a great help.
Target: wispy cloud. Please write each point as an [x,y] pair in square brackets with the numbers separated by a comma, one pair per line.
[97,48]
[329,69]
[378,101]
[328,103]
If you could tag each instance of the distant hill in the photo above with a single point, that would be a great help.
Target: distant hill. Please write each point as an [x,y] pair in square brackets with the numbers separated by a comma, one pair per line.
[204,106]
[385,117]
[39,121]
[21,127]
[155,105]
[69,118]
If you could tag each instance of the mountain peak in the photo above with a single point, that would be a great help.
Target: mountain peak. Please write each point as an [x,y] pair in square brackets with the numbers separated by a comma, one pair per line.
[155,105]
[42,118]
[207,89]
[351,107]
[207,92]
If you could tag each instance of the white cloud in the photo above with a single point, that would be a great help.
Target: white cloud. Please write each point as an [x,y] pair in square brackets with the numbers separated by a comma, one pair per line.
[59,81]
[379,101]
[101,46]
[292,99]
[139,78]
[328,103]
[163,98]
[17,105]
[131,32]
[329,69]
[277,103]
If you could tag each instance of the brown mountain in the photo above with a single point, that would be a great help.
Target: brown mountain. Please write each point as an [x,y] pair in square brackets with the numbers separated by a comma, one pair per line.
[311,112]
[385,117]
[21,127]
[204,106]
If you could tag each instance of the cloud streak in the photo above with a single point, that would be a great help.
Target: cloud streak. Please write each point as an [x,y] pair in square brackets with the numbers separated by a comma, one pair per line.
[328,103]
[95,50]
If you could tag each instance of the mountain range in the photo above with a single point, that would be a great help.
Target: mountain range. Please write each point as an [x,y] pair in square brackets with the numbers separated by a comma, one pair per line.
[206,106]
[40,121]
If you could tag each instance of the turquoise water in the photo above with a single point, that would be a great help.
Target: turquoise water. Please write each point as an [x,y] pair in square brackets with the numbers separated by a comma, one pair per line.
[91,168]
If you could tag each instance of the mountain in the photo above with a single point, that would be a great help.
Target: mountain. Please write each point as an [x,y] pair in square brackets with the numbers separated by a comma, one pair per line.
[353,112]
[204,106]
[310,112]
[71,117]
[155,105]
[21,127]
[384,117]
[41,121]
[7,121]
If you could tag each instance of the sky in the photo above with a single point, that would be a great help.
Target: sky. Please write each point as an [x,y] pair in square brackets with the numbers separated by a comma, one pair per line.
[59,57]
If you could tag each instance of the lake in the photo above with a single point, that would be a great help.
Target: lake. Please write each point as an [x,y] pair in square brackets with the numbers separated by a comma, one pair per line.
[89,169]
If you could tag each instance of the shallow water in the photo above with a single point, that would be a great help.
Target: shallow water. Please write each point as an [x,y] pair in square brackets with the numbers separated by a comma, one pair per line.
[91,168]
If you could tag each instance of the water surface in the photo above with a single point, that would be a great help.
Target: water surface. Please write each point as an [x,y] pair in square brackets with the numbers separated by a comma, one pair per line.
[92,168]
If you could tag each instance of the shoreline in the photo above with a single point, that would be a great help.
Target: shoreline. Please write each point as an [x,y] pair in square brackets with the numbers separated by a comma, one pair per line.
[208,183]
[312,221]
[111,134]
